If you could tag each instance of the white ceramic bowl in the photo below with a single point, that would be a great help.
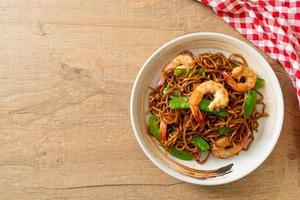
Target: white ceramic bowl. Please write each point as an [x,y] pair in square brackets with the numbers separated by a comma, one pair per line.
[246,161]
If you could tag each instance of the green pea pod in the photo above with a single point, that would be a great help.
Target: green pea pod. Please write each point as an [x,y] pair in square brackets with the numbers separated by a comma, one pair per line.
[202,144]
[179,103]
[154,127]
[218,112]
[201,71]
[172,97]
[224,130]
[165,90]
[260,83]
[175,91]
[250,102]
[181,154]
[180,70]
[204,105]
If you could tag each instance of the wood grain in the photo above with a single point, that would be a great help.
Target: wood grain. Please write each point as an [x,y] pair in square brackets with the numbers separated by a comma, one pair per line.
[67,68]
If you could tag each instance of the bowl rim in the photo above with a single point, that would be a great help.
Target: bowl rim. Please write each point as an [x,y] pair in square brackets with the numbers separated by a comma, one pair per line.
[277,129]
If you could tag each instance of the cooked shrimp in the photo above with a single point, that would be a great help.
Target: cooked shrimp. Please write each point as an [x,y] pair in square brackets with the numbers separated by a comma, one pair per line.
[163,131]
[239,72]
[184,59]
[165,120]
[220,98]
[219,147]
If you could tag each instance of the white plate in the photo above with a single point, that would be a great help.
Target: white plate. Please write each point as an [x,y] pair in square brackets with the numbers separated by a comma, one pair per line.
[269,128]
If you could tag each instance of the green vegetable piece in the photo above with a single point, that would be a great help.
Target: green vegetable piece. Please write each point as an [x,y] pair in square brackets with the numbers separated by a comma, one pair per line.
[249,104]
[218,112]
[182,69]
[181,154]
[204,105]
[154,127]
[224,130]
[179,71]
[175,91]
[201,71]
[180,103]
[202,144]
[173,97]
[165,90]
[260,83]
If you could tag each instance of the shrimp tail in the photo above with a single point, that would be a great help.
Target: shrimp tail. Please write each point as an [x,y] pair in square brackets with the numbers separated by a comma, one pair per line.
[229,79]
[239,72]
[197,114]
[163,132]
[161,82]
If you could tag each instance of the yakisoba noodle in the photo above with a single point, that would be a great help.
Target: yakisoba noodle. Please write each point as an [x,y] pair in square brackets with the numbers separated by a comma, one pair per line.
[195,132]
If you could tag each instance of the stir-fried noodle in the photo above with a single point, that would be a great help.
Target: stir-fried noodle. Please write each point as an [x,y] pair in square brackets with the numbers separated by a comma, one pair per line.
[181,124]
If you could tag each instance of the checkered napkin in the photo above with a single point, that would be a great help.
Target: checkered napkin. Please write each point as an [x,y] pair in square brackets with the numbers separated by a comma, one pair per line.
[273,26]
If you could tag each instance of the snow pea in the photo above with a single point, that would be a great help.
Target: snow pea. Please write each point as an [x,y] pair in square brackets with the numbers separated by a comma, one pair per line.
[202,144]
[180,103]
[175,91]
[182,69]
[181,154]
[218,112]
[224,130]
[154,127]
[260,83]
[201,71]
[250,102]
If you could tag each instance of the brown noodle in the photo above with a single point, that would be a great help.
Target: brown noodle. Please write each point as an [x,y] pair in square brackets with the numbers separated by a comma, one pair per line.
[181,124]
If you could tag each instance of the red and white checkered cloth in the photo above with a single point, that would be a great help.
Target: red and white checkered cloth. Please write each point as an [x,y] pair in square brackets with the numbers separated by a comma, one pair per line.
[273,26]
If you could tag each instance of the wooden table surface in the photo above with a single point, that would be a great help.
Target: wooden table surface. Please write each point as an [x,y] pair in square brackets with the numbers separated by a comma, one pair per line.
[66,73]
